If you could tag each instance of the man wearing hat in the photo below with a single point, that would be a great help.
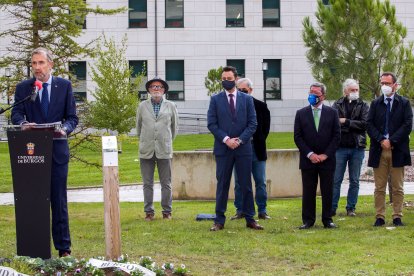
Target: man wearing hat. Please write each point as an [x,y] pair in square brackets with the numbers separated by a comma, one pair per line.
[157,122]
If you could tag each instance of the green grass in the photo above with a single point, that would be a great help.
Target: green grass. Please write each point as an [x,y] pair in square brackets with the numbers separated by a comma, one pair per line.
[81,175]
[355,248]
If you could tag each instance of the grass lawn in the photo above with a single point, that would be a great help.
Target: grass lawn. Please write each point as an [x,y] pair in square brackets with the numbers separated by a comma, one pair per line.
[81,175]
[355,248]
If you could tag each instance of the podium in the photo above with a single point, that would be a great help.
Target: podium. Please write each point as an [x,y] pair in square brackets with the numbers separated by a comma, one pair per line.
[31,150]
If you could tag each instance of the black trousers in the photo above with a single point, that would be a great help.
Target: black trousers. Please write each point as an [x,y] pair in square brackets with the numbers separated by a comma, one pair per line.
[309,185]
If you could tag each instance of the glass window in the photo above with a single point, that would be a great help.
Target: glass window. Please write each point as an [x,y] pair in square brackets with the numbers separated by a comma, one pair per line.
[174,14]
[137,13]
[326,2]
[272,77]
[174,75]
[81,20]
[140,67]
[271,13]
[78,69]
[239,65]
[235,13]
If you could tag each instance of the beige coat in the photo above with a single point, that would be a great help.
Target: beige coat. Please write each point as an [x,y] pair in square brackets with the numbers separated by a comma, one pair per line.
[156,134]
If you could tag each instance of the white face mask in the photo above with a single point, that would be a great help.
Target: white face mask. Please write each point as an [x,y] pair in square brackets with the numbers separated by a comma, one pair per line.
[353,96]
[386,90]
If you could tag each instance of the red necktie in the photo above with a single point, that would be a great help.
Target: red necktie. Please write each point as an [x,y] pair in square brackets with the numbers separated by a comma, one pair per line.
[232,109]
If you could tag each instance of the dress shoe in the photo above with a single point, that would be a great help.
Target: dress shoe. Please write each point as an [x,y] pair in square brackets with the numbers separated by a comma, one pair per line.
[149,216]
[305,226]
[217,227]
[379,222]
[264,216]
[237,216]
[397,222]
[64,253]
[254,225]
[330,225]
[350,213]
[166,216]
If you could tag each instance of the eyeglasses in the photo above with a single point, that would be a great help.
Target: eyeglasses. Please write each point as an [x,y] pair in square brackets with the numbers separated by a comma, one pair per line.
[156,87]
[244,90]
[387,83]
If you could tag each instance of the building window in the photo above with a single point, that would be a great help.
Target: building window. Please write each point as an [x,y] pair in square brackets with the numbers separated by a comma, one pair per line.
[272,79]
[271,13]
[81,20]
[239,65]
[235,13]
[174,75]
[140,67]
[326,2]
[174,13]
[137,13]
[78,70]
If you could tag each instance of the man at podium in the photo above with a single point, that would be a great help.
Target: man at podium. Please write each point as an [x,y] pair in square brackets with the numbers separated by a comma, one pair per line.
[54,102]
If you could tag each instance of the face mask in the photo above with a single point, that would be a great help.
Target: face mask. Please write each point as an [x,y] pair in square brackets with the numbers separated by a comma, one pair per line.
[313,99]
[386,90]
[228,85]
[353,96]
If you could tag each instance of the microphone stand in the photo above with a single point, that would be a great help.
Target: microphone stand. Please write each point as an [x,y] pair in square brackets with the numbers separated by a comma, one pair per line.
[2,110]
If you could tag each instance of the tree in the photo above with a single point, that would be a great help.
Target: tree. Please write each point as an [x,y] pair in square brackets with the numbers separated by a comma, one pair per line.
[358,39]
[213,81]
[53,24]
[116,98]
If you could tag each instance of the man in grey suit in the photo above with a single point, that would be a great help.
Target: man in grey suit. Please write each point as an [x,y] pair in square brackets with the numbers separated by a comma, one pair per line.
[157,122]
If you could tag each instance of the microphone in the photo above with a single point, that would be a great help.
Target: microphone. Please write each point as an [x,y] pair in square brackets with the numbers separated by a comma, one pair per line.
[37,86]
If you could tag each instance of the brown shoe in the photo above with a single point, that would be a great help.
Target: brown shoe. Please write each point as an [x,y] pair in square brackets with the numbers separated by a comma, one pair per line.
[149,216]
[217,227]
[254,225]
[237,216]
[264,216]
[166,216]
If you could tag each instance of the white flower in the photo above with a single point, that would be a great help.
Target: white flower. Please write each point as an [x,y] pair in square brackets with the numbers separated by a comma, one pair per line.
[183,266]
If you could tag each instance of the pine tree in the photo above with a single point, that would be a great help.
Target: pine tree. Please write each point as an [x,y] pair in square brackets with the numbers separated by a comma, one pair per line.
[358,39]
[53,24]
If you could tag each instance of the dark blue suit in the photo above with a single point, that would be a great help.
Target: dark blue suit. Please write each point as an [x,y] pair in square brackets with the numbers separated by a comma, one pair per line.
[221,123]
[61,108]
[323,140]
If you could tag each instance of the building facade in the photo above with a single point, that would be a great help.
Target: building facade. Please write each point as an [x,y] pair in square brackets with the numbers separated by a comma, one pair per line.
[181,40]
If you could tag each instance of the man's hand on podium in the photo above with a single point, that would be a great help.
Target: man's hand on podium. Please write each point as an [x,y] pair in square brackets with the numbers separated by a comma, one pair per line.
[27,126]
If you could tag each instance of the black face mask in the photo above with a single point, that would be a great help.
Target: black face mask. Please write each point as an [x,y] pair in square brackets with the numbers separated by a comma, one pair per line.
[244,91]
[228,85]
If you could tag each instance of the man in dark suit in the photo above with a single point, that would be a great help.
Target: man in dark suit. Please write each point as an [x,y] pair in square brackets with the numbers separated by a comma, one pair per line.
[54,103]
[389,125]
[317,134]
[231,118]
[245,85]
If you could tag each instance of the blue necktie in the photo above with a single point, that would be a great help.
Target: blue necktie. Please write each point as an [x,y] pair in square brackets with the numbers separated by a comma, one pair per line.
[387,116]
[45,100]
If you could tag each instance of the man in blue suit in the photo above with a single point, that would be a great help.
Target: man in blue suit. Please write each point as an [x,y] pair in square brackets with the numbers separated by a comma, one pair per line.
[317,134]
[231,118]
[54,103]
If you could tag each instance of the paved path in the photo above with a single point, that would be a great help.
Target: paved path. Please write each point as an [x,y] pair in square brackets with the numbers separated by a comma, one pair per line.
[134,193]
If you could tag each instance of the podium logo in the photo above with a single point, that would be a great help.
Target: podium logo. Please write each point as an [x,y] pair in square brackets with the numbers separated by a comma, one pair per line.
[30,148]
[30,158]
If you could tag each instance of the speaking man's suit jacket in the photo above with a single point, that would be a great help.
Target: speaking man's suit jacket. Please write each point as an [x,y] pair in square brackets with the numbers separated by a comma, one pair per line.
[262,131]
[325,140]
[62,108]
[221,123]
[400,125]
